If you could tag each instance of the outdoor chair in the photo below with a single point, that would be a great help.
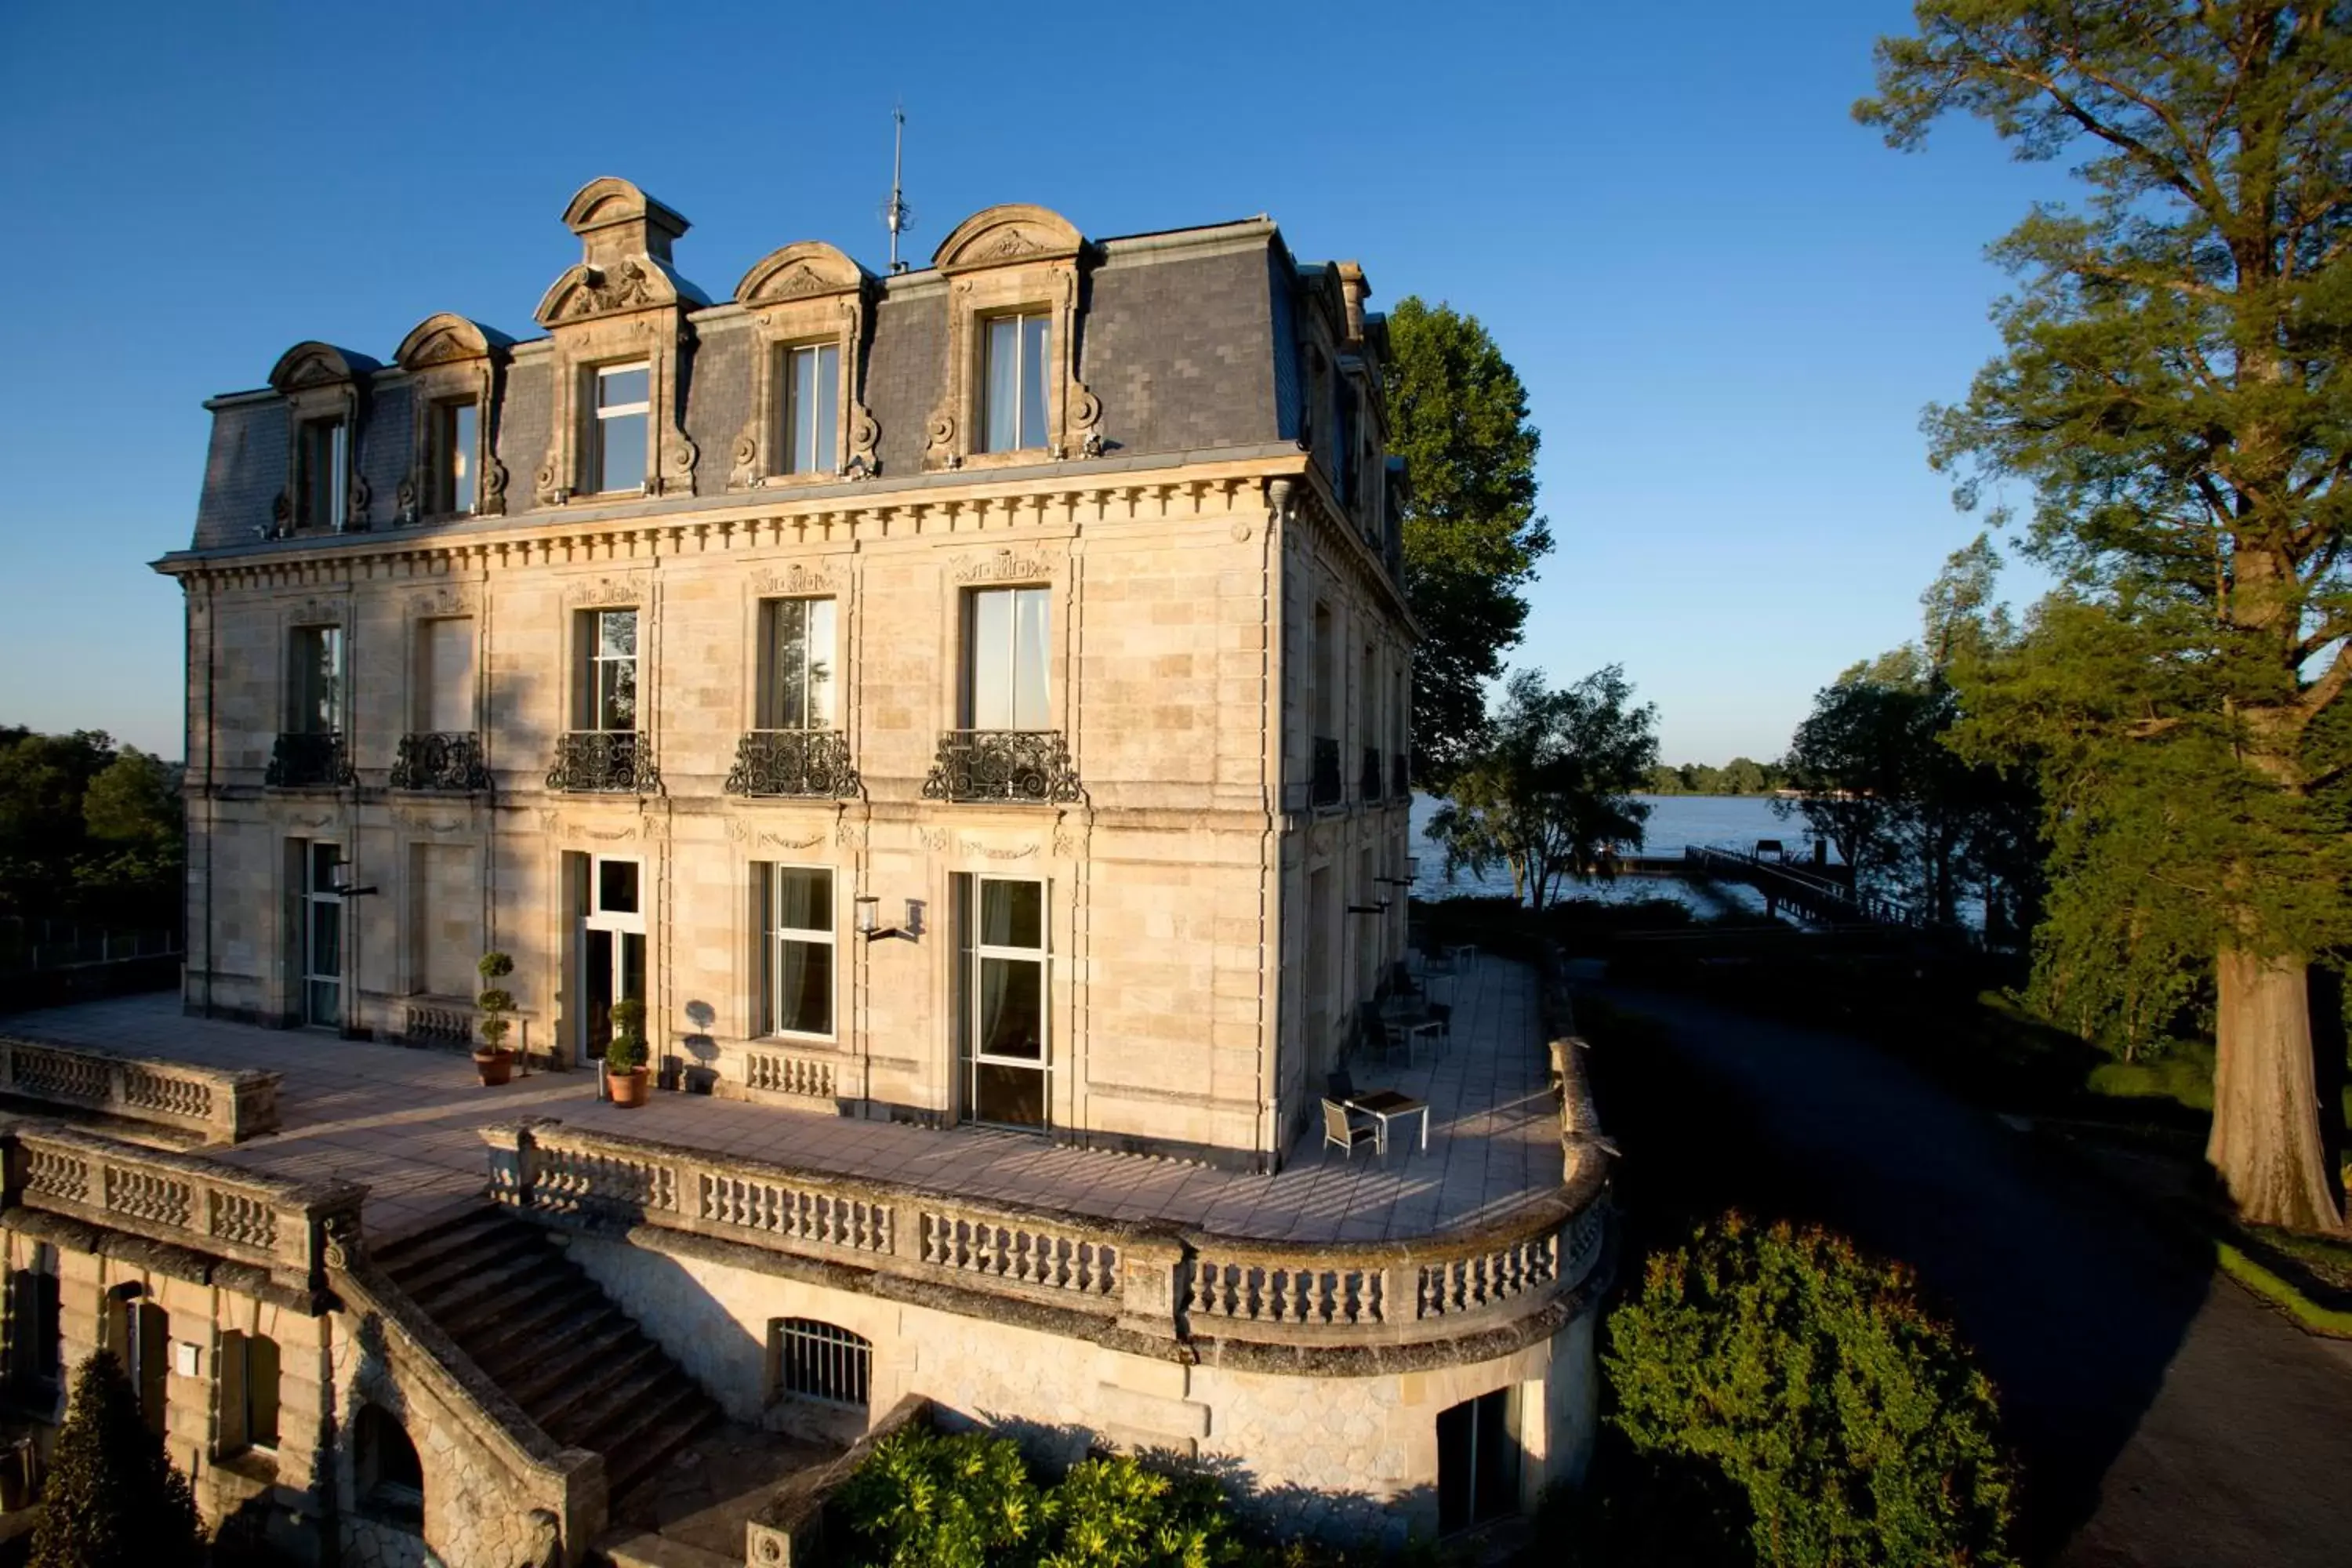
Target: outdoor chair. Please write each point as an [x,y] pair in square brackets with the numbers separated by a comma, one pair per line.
[1340,1129]
[1401,982]
[1442,1014]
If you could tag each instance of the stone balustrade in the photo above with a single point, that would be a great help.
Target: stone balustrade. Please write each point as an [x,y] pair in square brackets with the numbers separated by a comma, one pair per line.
[219,1106]
[1149,1278]
[294,1230]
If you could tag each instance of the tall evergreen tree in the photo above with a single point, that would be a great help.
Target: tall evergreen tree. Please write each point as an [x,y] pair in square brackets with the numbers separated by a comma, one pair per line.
[112,1498]
[2174,387]
[1458,417]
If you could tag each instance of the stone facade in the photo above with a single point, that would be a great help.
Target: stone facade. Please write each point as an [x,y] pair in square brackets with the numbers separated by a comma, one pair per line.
[1204,778]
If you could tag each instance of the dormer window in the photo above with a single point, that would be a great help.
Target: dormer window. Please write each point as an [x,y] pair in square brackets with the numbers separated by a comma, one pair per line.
[623,407]
[811,374]
[455,435]
[1012,383]
[325,459]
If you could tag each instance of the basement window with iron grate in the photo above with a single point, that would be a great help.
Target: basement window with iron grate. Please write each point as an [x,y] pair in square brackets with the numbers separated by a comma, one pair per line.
[813,1360]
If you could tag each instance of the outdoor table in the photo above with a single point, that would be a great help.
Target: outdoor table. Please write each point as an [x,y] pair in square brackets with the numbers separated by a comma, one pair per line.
[1410,1032]
[1463,956]
[1383,1105]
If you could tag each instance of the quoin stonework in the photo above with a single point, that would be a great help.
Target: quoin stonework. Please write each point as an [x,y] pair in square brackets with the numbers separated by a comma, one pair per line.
[967,709]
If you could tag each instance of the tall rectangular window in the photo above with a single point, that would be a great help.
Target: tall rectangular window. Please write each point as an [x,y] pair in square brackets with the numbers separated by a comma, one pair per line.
[323,465]
[1477,1460]
[608,685]
[812,408]
[444,676]
[249,1392]
[796,675]
[1000,994]
[796,950]
[1007,636]
[315,689]
[1012,390]
[623,414]
[456,432]
[321,870]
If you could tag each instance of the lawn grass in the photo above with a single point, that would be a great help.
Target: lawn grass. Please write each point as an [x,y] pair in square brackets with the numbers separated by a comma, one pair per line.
[2281,1294]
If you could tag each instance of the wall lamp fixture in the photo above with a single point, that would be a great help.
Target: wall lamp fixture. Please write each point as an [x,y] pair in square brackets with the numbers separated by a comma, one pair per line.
[869,918]
[1380,909]
[1411,874]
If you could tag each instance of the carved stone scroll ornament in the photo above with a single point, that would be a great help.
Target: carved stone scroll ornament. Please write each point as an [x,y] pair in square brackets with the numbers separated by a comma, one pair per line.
[1002,567]
[795,581]
[743,459]
[940,440]
[627,286]
[864,442]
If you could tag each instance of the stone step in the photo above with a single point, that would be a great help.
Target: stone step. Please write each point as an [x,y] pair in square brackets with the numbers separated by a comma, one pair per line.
[458,1232]
[453,1288]
[430,1274]
[627,1360]
[643,1549]
[553,1371]
[643,1394]
[493,1317]
[639,1453]
[511,1357]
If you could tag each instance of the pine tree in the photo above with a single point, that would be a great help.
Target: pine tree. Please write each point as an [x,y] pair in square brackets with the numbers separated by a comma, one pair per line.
[112,1498]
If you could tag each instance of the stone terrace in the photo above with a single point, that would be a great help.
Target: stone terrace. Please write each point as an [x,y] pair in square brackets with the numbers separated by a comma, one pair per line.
[402,1120]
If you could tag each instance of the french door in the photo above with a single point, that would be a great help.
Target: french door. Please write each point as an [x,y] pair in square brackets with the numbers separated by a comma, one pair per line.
[1001,1002]
[323,934]
[612,948]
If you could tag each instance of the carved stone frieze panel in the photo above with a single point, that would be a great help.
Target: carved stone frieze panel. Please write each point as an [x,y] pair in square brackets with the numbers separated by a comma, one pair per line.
[588,592]
[1002,566]
[796,580]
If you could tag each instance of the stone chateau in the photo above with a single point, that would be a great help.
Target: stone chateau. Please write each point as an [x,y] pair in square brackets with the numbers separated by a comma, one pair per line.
[969,709]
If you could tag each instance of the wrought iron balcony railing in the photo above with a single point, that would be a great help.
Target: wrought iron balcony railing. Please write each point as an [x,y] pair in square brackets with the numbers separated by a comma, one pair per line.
[813,762]
[1367,784]
[448,759]
[1326,790]
[313,761]
[1003,764]
[616,762]
[1399,776]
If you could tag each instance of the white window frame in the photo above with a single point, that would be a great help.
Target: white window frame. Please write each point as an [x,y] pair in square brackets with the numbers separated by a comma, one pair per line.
[799,438]
[1023,440]
[968,699]
[450,455]
[593,658]
[1041,955]
[813,651]
[774,934]
[313,896]
[599,414]
[338,459]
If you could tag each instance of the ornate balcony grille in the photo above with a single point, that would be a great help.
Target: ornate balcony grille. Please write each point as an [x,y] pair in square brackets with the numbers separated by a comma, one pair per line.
[1003,764]
[1368,782]
[449,761]
[1399,776]
[1326,790]
[309,762]
[813,762]
[616,762]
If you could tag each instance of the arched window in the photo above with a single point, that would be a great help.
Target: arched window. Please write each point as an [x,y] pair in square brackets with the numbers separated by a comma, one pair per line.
[814,1360]
[391,1477]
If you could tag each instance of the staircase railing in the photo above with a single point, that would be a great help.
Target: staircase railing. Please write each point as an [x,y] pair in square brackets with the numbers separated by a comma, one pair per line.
[219,1105]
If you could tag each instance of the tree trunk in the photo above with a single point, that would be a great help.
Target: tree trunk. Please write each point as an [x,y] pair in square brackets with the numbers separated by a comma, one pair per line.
[2266,1145]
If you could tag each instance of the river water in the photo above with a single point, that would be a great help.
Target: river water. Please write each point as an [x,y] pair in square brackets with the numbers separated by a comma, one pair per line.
[1730,821]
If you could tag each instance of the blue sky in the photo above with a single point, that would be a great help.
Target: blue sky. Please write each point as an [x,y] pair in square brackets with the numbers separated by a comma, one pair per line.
[1729,301]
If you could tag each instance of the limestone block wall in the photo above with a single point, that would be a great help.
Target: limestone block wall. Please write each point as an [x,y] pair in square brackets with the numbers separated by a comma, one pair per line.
[1343,1456]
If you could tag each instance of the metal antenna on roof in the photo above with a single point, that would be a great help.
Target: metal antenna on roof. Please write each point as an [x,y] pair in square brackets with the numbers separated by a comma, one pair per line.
[896,216]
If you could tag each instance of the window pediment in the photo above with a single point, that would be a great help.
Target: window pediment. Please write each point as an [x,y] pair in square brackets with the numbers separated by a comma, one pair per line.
[451,361]
[1021,263]
[315,364]
[808,295]
[325,390]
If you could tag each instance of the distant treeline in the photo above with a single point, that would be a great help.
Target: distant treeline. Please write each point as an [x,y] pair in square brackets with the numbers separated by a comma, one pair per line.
[1741,775]
[90,832]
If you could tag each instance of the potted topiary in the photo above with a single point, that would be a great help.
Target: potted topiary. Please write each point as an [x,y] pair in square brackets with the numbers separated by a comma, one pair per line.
[625,1073]
[492,1060]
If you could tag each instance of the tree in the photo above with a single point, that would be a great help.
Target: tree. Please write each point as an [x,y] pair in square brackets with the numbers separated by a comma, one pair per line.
[2173,385]
[134,800]
[1458,417]
[1857,1428]
[112,1498]
[1551,792]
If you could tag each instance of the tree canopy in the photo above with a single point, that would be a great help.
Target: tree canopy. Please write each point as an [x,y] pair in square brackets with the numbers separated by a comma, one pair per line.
[2173,387]
[112,1498]
[1458,417]
[1551,795]
[88,831]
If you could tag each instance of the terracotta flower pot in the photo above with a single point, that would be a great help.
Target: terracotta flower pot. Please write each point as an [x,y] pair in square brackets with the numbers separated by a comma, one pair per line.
[496,1067]
[629,1088]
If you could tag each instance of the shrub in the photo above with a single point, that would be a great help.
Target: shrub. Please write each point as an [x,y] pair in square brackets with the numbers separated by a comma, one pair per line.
[924,1501]
[626,1051]
[1111,1512]
[494,1001]
[112,1498]
[1857,1429]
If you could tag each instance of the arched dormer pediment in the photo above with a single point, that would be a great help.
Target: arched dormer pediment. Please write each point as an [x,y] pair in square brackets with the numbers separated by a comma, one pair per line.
[628,283]
[611,212]
[444,338]
[1014,232]
[805,269]
[316,364]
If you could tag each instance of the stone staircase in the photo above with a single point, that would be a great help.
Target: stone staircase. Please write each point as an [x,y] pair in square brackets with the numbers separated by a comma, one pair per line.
[541,1329]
